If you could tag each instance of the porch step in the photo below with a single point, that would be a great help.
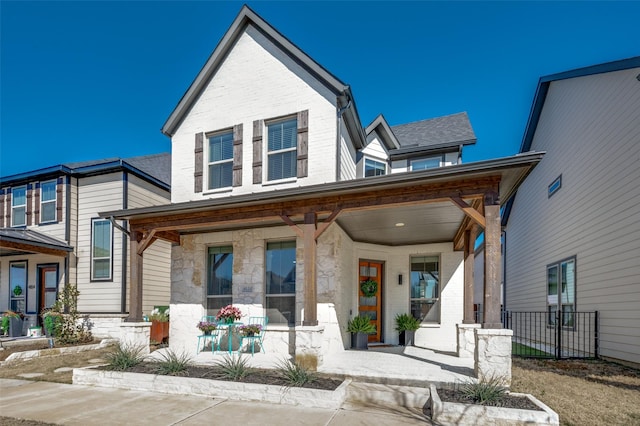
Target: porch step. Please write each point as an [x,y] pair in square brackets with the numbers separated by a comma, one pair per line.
[376,394]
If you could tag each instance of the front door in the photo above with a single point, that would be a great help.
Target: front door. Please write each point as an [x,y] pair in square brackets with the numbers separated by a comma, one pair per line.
[47,287]
[370,295]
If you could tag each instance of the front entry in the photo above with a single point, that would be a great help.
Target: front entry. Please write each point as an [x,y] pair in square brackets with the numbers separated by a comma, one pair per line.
[370,295]
[47,288]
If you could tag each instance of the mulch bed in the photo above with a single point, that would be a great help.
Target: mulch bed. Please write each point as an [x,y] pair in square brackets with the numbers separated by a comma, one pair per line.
[255,375]
[508,401]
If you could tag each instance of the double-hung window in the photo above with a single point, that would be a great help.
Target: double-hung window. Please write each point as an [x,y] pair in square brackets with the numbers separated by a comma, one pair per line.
[19,206]
[425,288]
[220,164]
[561,291]
[101,249]
[281,282]
[374,168]
[282,142]
[426,163]
[219,278]
[48,201]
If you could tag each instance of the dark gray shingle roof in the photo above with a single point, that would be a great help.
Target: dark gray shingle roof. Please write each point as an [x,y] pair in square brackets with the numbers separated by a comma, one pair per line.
[157,165]
[452,129]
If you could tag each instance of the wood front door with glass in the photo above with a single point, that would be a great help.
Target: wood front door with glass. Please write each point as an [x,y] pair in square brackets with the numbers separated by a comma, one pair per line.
[370,295]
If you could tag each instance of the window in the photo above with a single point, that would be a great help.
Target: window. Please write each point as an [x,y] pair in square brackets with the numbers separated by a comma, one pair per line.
[220,165]
[426,163]
[17,286]
[48,201]
[374,168]
[561,291]
[219,278]
[282,142]
[101,249]
[19,206]
[554,186]
[281,282]
[425,288]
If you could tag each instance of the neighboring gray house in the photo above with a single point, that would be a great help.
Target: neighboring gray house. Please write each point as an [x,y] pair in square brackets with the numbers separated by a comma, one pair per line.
[51,234]
[573,229]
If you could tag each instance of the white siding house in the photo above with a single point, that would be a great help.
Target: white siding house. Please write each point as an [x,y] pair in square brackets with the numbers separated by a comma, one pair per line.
[50,242]
[578,210]
[276,210]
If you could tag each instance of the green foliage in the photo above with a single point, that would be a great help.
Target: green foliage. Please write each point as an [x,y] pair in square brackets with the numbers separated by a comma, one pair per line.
[485,392]
[234,367]
[124,357]
[406,322]
[173,364]
[295,374]
[5,323]
[69,330]
[361,324]
[369,288]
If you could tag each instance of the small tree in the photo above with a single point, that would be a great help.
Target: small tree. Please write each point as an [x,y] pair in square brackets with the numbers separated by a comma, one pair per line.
[69,330]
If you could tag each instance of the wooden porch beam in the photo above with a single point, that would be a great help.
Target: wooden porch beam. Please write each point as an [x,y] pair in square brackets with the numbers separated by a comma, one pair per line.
[310,248]
[286,219]
[470,236]
[135,295]
[492,262]
[147,239]
[169,236]
[328,221]
[28,248]
[472,213]
[467,223]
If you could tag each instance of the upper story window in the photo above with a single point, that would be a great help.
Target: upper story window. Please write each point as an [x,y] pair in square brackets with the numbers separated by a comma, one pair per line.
[220,164]
[282,141]
[374,168]
[48,201]
[19,206]
[426,163]
[101,249]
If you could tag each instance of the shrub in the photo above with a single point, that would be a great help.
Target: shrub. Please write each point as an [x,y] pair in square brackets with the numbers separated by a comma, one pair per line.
[295,374]
[173,364]
[233,367]
[124,357]
[485,392]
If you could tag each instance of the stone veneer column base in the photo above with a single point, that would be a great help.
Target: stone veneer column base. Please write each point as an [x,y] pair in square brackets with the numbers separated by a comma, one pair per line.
[309,346]
[466,347]
[136,334]
[493,354]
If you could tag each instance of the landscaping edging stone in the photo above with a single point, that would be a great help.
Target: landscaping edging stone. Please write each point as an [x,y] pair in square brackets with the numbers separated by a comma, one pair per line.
[212,388]
[21,356]
[453,413]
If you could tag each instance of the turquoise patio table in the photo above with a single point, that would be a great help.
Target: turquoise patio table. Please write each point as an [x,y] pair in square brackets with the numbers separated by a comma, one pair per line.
[230,328]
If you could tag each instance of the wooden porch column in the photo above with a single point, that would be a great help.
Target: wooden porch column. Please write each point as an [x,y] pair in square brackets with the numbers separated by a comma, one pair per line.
[135,295]
[310,296]
[469,259]
[492,261]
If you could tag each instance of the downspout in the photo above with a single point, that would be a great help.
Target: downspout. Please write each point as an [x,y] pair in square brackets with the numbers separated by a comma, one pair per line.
[125,254]
[67,231]
[504,270]
[339,139]
[459,154]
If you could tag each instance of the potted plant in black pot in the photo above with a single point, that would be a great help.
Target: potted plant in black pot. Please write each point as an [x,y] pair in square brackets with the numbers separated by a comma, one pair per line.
[360,327]
[406,325]
[12,323]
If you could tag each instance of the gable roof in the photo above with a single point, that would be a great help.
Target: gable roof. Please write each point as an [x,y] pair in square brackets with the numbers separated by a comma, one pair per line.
[155,168]
[541,95]
[17,241]
[245,18]
[449,130]
[380,125]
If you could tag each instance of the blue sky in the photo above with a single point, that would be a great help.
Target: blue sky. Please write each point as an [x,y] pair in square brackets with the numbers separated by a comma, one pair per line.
[89,80]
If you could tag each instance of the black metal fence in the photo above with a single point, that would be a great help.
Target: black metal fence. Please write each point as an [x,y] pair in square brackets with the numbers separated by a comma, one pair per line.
[558,335]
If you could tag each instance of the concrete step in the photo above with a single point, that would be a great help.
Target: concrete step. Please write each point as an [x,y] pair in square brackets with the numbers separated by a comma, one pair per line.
[375,394]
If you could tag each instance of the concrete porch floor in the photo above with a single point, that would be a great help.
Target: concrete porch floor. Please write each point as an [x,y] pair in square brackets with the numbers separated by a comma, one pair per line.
[396,365]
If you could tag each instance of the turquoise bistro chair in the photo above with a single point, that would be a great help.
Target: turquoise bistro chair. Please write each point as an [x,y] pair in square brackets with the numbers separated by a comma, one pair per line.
[214,336]
[262,321]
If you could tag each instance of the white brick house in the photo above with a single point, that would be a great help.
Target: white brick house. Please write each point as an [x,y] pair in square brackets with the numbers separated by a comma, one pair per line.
[283,204]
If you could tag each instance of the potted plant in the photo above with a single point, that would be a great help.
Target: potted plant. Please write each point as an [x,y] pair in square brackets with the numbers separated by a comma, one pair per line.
[360,327]
[207,327]
[159,318]
[407,325]
[250,329]
[229,314]
[51,321]
[12,323]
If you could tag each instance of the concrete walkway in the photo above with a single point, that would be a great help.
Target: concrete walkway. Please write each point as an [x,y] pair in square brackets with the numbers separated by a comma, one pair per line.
[85,405]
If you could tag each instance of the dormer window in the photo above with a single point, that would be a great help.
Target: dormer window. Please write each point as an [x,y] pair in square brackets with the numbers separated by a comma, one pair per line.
[282,142]
[220,164]
[426,163]
[374,168]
